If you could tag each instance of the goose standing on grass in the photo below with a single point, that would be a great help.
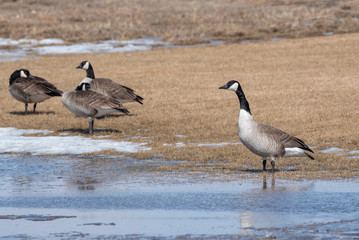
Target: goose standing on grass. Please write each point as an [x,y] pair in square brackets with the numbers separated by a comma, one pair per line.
[264,140]
[84,102]
[31,89]
[108,87]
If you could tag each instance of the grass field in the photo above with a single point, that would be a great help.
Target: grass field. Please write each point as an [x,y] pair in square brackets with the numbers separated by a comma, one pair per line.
[306,87]
[177,21]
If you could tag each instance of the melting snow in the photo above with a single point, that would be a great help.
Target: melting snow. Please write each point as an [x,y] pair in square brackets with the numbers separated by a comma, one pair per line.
[221,144]
[332,149]
[13,140]
[354,152]
[25,47]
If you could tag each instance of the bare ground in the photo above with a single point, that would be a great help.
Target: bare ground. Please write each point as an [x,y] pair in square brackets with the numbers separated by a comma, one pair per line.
[178,21]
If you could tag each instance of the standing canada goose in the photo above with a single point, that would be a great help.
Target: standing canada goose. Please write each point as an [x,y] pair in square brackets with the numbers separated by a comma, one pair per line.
[31,89]
[264,140]
[108,87]
[84,102]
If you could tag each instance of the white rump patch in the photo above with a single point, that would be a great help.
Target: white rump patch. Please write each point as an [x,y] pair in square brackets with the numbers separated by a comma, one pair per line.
[234,87]
[294,152]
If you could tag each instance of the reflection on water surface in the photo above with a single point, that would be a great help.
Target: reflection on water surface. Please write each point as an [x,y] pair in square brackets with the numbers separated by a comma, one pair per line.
[105,196]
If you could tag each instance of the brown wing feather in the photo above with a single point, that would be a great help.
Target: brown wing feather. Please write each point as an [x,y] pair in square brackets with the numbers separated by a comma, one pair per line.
[284,138]
[115,90]
[94,100]
[36,86]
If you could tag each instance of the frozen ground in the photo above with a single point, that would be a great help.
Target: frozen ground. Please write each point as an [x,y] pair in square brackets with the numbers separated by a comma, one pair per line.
[13,50]
[14,140]
[37,142]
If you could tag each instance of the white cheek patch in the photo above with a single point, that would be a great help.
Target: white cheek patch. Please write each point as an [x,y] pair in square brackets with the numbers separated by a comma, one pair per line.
[86,66]
[234,87]
[22,74]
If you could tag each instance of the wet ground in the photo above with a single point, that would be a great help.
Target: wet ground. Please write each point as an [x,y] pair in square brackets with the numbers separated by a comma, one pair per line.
[116,197]
[14,50]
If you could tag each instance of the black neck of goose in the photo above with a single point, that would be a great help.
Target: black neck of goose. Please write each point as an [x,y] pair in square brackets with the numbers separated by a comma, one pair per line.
[243,101]
[90,73]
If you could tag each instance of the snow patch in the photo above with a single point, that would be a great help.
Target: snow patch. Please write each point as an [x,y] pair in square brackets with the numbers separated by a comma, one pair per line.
[221,144]
[332,149]
[24,47]
[13,140]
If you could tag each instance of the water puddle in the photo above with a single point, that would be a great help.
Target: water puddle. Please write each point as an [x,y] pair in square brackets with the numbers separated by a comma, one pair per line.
[117,197]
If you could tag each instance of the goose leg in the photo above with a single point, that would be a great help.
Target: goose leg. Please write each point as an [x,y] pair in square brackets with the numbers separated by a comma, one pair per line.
[273,164]
[34,107]
[25,107]
[264,164]
[91,125]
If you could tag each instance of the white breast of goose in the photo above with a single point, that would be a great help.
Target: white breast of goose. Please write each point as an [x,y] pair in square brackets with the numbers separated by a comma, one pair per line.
[20,96]
[78,110]
[252,138]
[246,125]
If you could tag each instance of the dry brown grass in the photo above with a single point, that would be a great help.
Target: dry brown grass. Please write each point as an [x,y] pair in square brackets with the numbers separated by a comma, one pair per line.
[178,21]
[306,87]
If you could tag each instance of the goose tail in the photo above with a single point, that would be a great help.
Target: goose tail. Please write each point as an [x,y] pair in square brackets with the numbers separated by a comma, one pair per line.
[303,145]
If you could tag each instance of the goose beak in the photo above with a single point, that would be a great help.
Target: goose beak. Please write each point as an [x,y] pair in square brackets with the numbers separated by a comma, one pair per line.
[224,87]
[79,67]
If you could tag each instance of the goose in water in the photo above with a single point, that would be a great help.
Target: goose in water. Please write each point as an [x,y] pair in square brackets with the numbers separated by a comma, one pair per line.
[108,87]
[84,102]
[27,88]
[264,140]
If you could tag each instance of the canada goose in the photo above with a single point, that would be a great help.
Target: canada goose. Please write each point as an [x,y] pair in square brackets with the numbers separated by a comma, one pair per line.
[84,102]
[264,140]
[31,89]
[108,87]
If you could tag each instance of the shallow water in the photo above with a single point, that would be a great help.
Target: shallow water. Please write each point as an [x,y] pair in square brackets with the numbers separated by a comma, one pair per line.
[116,196]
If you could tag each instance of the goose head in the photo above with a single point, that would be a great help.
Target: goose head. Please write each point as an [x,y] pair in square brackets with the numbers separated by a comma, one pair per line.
[232,85]
[20,73]
[83,87]
[84,65]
